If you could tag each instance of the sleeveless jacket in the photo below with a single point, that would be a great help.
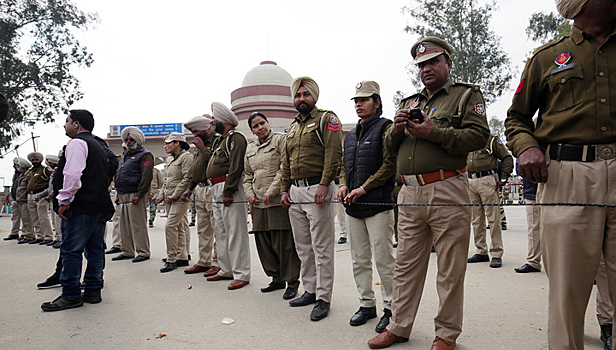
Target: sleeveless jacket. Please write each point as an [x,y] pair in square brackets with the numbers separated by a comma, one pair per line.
[129,171]
[363,158]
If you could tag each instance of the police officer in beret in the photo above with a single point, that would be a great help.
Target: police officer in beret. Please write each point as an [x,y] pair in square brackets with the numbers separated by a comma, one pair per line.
[434,131]
[571,153]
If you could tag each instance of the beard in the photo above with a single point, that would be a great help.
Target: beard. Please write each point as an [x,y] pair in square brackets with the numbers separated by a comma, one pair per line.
[219,128]
[303,108]
[132,147]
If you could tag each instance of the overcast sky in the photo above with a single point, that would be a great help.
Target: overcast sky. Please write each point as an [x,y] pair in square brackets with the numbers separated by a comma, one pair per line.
[161,62]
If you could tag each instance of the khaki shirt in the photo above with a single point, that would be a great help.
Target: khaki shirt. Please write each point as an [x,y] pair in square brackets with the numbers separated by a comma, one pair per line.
[451,138]
[305,155]
[157,181]
[22,194]
[38,178]
[576,102]
[228,159]
[262,168]
[487,158]
[200,159]
[177,175]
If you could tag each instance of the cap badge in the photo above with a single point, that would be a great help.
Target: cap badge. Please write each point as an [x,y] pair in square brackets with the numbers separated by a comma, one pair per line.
[421,48]
[358,86]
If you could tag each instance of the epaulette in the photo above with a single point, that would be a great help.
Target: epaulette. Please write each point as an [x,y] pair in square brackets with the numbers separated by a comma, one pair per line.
[475,87]
[409,97]
[548,45]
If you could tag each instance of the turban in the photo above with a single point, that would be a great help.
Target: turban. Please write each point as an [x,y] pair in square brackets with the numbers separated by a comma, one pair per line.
[310,85]
[24,163]
[201,122]
[570,8]
[38,155]
[224,114]
[136,133]
[16,160]
[51,158]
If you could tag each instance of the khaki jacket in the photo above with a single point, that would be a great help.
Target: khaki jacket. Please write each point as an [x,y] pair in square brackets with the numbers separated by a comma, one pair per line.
[177,175]
[262,168]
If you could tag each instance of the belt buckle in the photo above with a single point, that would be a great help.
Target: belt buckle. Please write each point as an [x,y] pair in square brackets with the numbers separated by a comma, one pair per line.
[410,180]
[606,152]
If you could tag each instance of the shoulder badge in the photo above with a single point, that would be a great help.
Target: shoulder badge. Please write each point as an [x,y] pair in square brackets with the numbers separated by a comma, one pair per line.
[562,59]
[333,124]
[414,104]
[480,108]
[520,86]
[231,146]
[146,163]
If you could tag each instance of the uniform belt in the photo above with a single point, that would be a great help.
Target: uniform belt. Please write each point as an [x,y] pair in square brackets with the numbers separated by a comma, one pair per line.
[424,179]
[399,184]
[582,153]
[480,174]
[309,181]
[213,181]
[35,192]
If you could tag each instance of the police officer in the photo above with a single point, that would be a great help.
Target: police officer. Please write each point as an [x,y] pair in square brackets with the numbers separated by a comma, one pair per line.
[155,185]
[38,181]
[483,185]
[132,184]
[21,200]
[224,175]
[571,152]
[432,163]
[314,153]
[204,135]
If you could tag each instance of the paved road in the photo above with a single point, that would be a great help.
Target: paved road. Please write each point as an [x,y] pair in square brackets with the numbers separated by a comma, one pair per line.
[503,310]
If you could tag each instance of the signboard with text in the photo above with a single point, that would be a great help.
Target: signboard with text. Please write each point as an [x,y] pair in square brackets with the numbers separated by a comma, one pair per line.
[149,129]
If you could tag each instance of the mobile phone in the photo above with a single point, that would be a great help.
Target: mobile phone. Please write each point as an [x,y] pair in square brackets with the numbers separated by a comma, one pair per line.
[416,116]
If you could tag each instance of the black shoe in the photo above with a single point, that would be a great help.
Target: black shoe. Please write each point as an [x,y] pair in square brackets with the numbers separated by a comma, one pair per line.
[91,299]
[61,303]
[496,263]
[51,282]
[305,299]
[164,259]
[478,258]
[191,224]
[140,258]
[526,269]
[273,286]
[24,241]
[121,257]
[113,250]
[182,262]
[363,315]
[290,293]
[10,237]
[342,240]
[320,310]
[606,336]
[35,241]
[151,225]
[169,267]
[395,244]
[503,227]
[57,245]
[384,321]
[51,243]
[45,242]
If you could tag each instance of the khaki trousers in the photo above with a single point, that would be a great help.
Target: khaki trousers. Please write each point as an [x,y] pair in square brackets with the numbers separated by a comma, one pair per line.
[572,240]
[176,230]
[605,307]
[133,226]
[484,191]
[370,235]
[342,219]
[56,220]
[26,229]
[15,218]
[418,228]
[116,237]
[205,229]
[314,234]
[40,217]
[534,242]
[231,230]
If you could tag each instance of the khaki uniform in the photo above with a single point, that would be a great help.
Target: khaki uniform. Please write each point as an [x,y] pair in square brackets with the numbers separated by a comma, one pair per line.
[203,205]
[38,181]
[230,223]
[571,82]
[456,132]
[270,223]
[155,185]
[482,166]
[313,155]
[21,197]
[177,178]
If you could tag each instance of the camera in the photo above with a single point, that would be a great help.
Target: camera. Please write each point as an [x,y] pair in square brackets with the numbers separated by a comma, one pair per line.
[415,115]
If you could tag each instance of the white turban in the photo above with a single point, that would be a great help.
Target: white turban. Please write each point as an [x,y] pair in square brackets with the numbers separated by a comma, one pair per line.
[310,85]
[24,163]
[570,8]
[224,114]
[202,122]
[38,156]
[136,133]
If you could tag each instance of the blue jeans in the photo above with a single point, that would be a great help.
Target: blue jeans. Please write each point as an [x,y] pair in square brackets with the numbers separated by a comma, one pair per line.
[82,232]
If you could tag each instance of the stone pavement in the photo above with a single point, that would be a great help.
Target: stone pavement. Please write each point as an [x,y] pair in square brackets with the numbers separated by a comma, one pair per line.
[503,310]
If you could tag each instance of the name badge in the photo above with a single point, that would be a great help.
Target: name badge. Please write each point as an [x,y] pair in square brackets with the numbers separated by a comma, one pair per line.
[563,68]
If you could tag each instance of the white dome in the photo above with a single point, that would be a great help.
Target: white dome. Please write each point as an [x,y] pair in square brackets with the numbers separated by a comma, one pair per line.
[268,73]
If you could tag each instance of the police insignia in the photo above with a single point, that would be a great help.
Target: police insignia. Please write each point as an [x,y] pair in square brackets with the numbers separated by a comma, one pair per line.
[480,108]
[358,86]
[146,163]
[421,48]
[231,146]
[414,104]
[562,59]
[333,124]
[520,86]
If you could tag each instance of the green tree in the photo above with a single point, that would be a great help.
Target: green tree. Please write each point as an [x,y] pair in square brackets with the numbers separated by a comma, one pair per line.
[497,128]
[38,51]
[544,27]
[478,57]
